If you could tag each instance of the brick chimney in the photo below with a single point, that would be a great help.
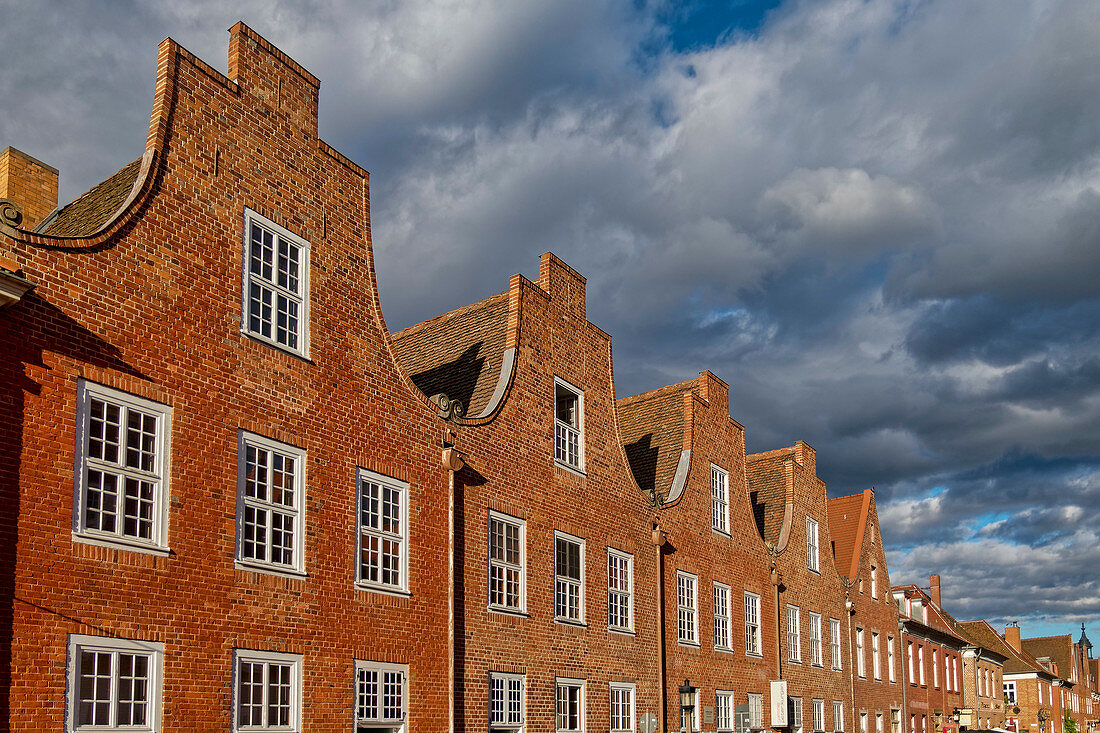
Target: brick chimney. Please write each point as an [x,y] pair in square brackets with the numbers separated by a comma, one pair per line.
[30,184]
[934,584]
[1012,636]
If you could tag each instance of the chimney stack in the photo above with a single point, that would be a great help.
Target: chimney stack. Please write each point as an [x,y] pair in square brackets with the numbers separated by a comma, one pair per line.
[1012,636]
[934,583]
[30,184]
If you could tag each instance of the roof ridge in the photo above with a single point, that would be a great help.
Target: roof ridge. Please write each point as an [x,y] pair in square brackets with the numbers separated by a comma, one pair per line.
[417,327]
[1055,636]
[659,392]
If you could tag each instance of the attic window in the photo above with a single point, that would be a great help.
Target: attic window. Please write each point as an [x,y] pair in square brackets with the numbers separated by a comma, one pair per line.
[568,425]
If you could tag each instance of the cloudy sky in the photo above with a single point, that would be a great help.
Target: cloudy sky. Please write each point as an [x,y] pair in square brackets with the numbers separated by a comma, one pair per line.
[878,220]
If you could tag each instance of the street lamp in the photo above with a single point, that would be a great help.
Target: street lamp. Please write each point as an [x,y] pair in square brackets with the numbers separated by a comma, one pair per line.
[687,705]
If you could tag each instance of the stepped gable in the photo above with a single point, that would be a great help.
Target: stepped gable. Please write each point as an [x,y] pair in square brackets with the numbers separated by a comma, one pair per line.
[652,428]
[847,518]
[95,207]
[459,354]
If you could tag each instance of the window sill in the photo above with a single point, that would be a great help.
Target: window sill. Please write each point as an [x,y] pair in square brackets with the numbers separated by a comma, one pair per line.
[722,532]
[571,469]
[383,590]
[795,661]
[269,569]
[120,543]
[621,632]
[724,649]
[570,622]
[507,611]
[815,571]
[689,644]
[754,655]
[297,354]
[817,665]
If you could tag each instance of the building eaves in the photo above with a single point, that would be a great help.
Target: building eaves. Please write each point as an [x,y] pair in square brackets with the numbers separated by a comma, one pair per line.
[94,208]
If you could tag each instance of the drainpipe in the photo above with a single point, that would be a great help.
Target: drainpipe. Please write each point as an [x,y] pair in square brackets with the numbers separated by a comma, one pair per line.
[776,580]
[849,608]
[453,462]
[903,655]
[660,537]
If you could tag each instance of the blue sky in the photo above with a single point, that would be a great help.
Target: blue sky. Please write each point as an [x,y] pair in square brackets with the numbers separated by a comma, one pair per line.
[878,220]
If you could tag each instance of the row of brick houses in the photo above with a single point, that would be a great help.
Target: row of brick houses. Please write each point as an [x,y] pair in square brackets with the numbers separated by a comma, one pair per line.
[285,517]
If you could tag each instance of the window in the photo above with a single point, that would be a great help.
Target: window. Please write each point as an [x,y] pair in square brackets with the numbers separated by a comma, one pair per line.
[890,658]
[752,624]
[121,492]
[936,672]
[811,544]
[569,698]
[724,708]
[721,616]
[568,425]
[270,490]
[794,635]
[819,715]
[507,562]
[895,720]
[756,710]
[834,643]
[878,723]
[838,716]
[113,684]
[505,701]
[1010,693]
[874,582]
[863,722]
[912,667]
[687,616]
[859,654]
[794,714]
[620,590]
[815,643]
[276,285]
[876,661]
[920,662]
[268,691]
[381,696]
[719,499]
[694,715]
[622,707]
[383,532]
[568,578]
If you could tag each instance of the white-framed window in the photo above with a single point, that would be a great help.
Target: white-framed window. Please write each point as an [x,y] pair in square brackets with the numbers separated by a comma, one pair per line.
[267,691]
[1010,692]
[621,706]
[506,702]
[815,642]
[692,717]
[270,500]
[752,625]
[794,714]
[275,298]
[721,616]
[912,664]
[794,635]
[725,720]
[936,672]
[121,487]
[383,518]
[876,661]
[890,658]
[811,545]
[874,582]
[719,499]
[756,710]
[381,696]
[863,722]
[568,424]
[687,608]
[568,578]
[895,720]
[507,562]
[819,715]
[834,643]
[860,669]
[620,590]
[113,684]
[569,705]
[920,662]
[838,716]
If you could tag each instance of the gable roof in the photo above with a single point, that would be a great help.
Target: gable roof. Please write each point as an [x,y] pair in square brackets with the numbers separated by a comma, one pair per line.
[652,428]
[1057,648]
[1016,662]
[460,353]
[769,488]
[94,208]
[847,525]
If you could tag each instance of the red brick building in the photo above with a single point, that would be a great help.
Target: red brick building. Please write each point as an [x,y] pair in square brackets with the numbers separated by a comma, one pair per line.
[1068,659]
[983,675]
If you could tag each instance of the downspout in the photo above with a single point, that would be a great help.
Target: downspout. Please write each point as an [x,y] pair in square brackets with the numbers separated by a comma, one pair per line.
[453,462]
[849,609]
[776,581]
[903,654]
[659,539]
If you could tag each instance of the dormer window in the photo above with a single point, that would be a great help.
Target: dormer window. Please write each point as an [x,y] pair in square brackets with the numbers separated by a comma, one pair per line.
[568,425]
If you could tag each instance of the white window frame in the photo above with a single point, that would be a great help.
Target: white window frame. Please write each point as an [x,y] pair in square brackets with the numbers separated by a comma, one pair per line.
[818,714]
[696,714]
[794,714]
[252,656]
[912,662]
[756,710]
[874,582]
[563,430]
[752,626]
[722,635]
[936,671]
[157,543]
[520,569]
[153,651]
[621,688]
[920,663]
[725,712]
[1010,691]
[890,658]
[563,583]
[794,634]
[815,640]
[861,669]
[507,722]
[566,684]
[617,597]
[719,499]
[838,716]
[813,557]
[381,534]
[834,644]
[687,589]
[863,721]
[246,440]
[300,297]
[876,653]
[382,669]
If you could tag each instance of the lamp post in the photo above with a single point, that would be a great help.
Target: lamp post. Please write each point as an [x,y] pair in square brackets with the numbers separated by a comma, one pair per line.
[687,705]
